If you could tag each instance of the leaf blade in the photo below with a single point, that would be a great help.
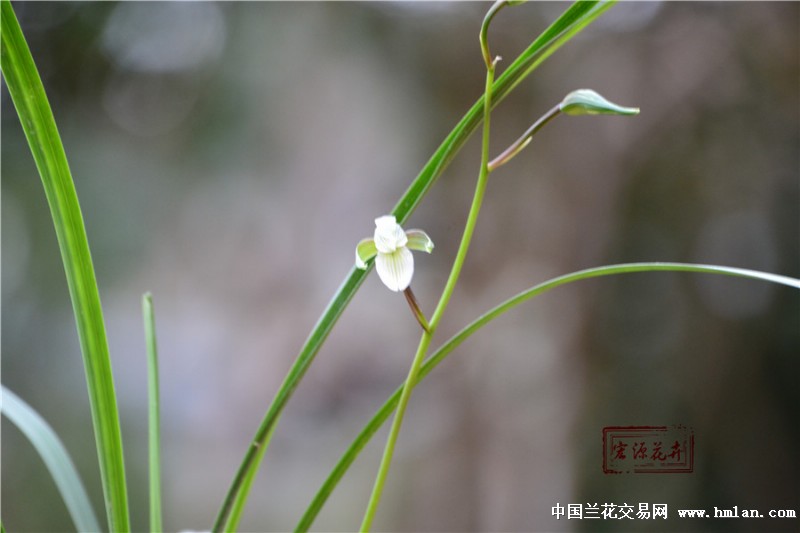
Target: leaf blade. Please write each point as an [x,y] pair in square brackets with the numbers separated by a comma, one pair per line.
[36,117]
[154,409]
[55,457]
[575,18]
[385,411]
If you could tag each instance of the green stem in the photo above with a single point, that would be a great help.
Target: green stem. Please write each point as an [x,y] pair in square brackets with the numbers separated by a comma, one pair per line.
[524,139]
[570,23]
[448,347]
[388,451]
[472,218]
[425,341]
[487,20]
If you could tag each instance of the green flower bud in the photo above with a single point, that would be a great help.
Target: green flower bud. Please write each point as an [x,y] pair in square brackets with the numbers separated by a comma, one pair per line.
[588,102]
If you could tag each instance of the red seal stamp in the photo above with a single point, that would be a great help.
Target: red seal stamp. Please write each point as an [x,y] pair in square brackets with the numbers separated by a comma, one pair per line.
[648,449]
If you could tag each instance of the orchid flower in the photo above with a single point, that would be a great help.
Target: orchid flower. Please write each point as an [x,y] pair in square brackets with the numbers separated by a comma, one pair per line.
[391,247]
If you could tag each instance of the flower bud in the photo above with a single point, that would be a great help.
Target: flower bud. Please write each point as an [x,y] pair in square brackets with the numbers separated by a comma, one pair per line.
[588,102]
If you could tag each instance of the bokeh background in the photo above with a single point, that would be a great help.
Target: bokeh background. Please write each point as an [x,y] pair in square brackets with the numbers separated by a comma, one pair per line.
[229,156]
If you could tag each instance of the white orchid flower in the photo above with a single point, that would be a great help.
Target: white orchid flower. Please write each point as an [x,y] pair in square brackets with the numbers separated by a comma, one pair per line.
[391,247]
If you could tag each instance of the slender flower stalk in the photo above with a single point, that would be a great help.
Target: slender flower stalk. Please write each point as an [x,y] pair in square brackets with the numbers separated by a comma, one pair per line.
[487,20]
[418,314]
[483,36]
[424,343]
[390,241]
[580,102]
[524,139]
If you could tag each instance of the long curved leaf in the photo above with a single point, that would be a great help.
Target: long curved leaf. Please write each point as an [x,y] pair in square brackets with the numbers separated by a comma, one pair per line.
[55,457]
[572,21]
[433,361]
[39,126]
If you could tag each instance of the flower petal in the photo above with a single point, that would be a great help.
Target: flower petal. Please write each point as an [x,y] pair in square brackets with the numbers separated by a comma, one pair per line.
[389,236]
[396,269]
[365,251]
[419,240]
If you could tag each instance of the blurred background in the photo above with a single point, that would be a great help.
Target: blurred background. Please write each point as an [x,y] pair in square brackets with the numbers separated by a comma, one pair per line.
[229,156]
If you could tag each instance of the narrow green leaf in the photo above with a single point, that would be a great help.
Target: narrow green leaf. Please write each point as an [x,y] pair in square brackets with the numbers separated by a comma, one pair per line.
[572,21]
[154,420]
[437,357]
[239,504]
[569,24]
[55,457]
[37,121]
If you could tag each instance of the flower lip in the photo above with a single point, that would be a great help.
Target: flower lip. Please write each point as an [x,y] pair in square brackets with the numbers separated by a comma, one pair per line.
[396,269]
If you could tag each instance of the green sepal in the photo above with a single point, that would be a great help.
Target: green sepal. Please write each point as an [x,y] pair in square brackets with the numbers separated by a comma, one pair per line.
[419,240]
[365,251]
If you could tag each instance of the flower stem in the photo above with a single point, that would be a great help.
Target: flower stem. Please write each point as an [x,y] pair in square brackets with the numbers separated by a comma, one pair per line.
[477,200]
[418,314]
[424,343]
[388,451]
[487,20]
[524,139]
